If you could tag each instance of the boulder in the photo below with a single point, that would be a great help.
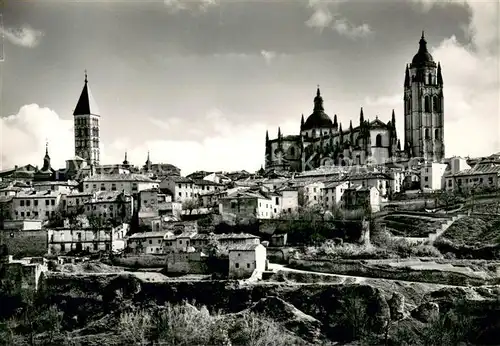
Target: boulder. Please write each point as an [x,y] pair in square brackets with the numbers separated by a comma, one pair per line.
[397,306]
[426,312]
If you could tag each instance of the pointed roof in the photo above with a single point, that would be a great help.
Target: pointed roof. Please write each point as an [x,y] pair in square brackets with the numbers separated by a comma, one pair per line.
[423,58]
[86,103]
[318,118]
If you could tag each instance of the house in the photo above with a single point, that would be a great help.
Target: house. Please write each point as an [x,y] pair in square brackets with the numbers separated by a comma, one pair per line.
[480,176]
[313,193]
[289,199]
[62,240]
[147,242]
[245,259]
[184,189]
[111,169]
[152,203]
[110,205]
[431,176]
[372,179]
[361,197]
[332,193]
[249,203]
[39,205]
[128,183]
[279,239]
[75,201]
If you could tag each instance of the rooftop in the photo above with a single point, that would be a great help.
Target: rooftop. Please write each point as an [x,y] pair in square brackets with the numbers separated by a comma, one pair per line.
[120,177]
[243,247]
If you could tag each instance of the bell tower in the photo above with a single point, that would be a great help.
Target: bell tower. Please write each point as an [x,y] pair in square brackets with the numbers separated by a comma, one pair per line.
[86,121]
[423,106]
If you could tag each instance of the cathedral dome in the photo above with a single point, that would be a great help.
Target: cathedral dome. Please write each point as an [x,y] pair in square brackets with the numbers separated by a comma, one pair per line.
[423,58]
[318,118]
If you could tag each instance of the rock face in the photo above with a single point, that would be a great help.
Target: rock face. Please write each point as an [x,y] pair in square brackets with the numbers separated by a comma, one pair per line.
[397,306]
[289,316]
[426,312]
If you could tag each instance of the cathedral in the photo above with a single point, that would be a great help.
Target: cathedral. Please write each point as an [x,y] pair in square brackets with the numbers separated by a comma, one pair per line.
[324,142]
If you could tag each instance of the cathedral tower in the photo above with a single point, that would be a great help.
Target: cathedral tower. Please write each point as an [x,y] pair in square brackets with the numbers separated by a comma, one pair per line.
[423,103]
[87,118]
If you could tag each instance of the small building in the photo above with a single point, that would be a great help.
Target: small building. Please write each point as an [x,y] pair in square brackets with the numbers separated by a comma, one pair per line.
[129,183]
[244,259]
[332,193]
[361,197]
[62,240]
[279,239]
[431,176]
[38,205]
[148,242]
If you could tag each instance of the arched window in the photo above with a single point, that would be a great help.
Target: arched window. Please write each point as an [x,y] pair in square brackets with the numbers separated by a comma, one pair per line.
[307,135]
[378,140]
[292,151]
[408,105]
[430,78]
[435,104]
[427,104]
[427,134]
[436,134]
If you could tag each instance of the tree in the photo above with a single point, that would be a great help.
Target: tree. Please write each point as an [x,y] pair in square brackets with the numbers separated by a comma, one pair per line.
[190,204]
[301,197]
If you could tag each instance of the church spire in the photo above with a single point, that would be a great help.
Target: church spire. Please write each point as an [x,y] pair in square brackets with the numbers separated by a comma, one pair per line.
[335,123]
[302,122]
[46,159]
[279,133]
[407,77]
[125,161]
[393,119]
[318,102]
[267,136]
[439,75]
[361,117]
[86,104]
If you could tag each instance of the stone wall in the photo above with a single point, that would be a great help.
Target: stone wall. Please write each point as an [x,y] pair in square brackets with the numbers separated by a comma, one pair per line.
[25,243]
[143,261]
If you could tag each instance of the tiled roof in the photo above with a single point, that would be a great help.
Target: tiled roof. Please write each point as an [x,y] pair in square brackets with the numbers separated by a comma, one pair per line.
[148,235]
[37,194]
[235,236]
[477,170]
[178,179]
[205,182]
[119,177]
[79,194]
[243,247]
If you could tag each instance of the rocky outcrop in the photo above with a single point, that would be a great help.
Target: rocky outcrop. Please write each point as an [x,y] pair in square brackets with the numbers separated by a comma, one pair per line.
[426,312]
[397,306]
[296,321]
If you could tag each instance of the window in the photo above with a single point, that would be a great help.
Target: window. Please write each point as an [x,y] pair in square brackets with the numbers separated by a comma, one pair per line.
[63,247]
[53,202]
[292,151]
[449,183]
[28,203]
[378,140]
[236,265]
[150,242]
[427,136]
[436,134]
[103,188]
[277,200]
[47,214]
[95,246]
[47,202]
[28,214]
[426,179]
[35,213]
[248,265]
[113,187]
[427,104]
[430,78]
[22,203]
[22,214]
[435,104]
[233,205]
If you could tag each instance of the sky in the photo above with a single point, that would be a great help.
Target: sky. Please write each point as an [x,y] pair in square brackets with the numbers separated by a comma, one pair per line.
[197,83]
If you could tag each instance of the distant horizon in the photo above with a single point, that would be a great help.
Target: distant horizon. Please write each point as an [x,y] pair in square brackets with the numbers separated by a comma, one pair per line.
[198,83]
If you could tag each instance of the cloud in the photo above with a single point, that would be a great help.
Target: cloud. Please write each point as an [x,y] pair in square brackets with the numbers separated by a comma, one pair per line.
[175,6]
[24,135]
[229,147]
[325,16]
[24,36]
[471,82]
[268,55]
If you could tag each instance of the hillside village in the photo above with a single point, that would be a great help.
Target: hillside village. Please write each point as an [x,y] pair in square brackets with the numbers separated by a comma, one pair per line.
[349,217]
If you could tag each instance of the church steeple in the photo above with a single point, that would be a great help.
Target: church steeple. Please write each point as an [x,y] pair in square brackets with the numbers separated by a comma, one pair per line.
[302,122]
[46,159]
[335,123]
[439,75]
[125,161]
[361,117]
[407,77]
[318,101]
[86,103]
